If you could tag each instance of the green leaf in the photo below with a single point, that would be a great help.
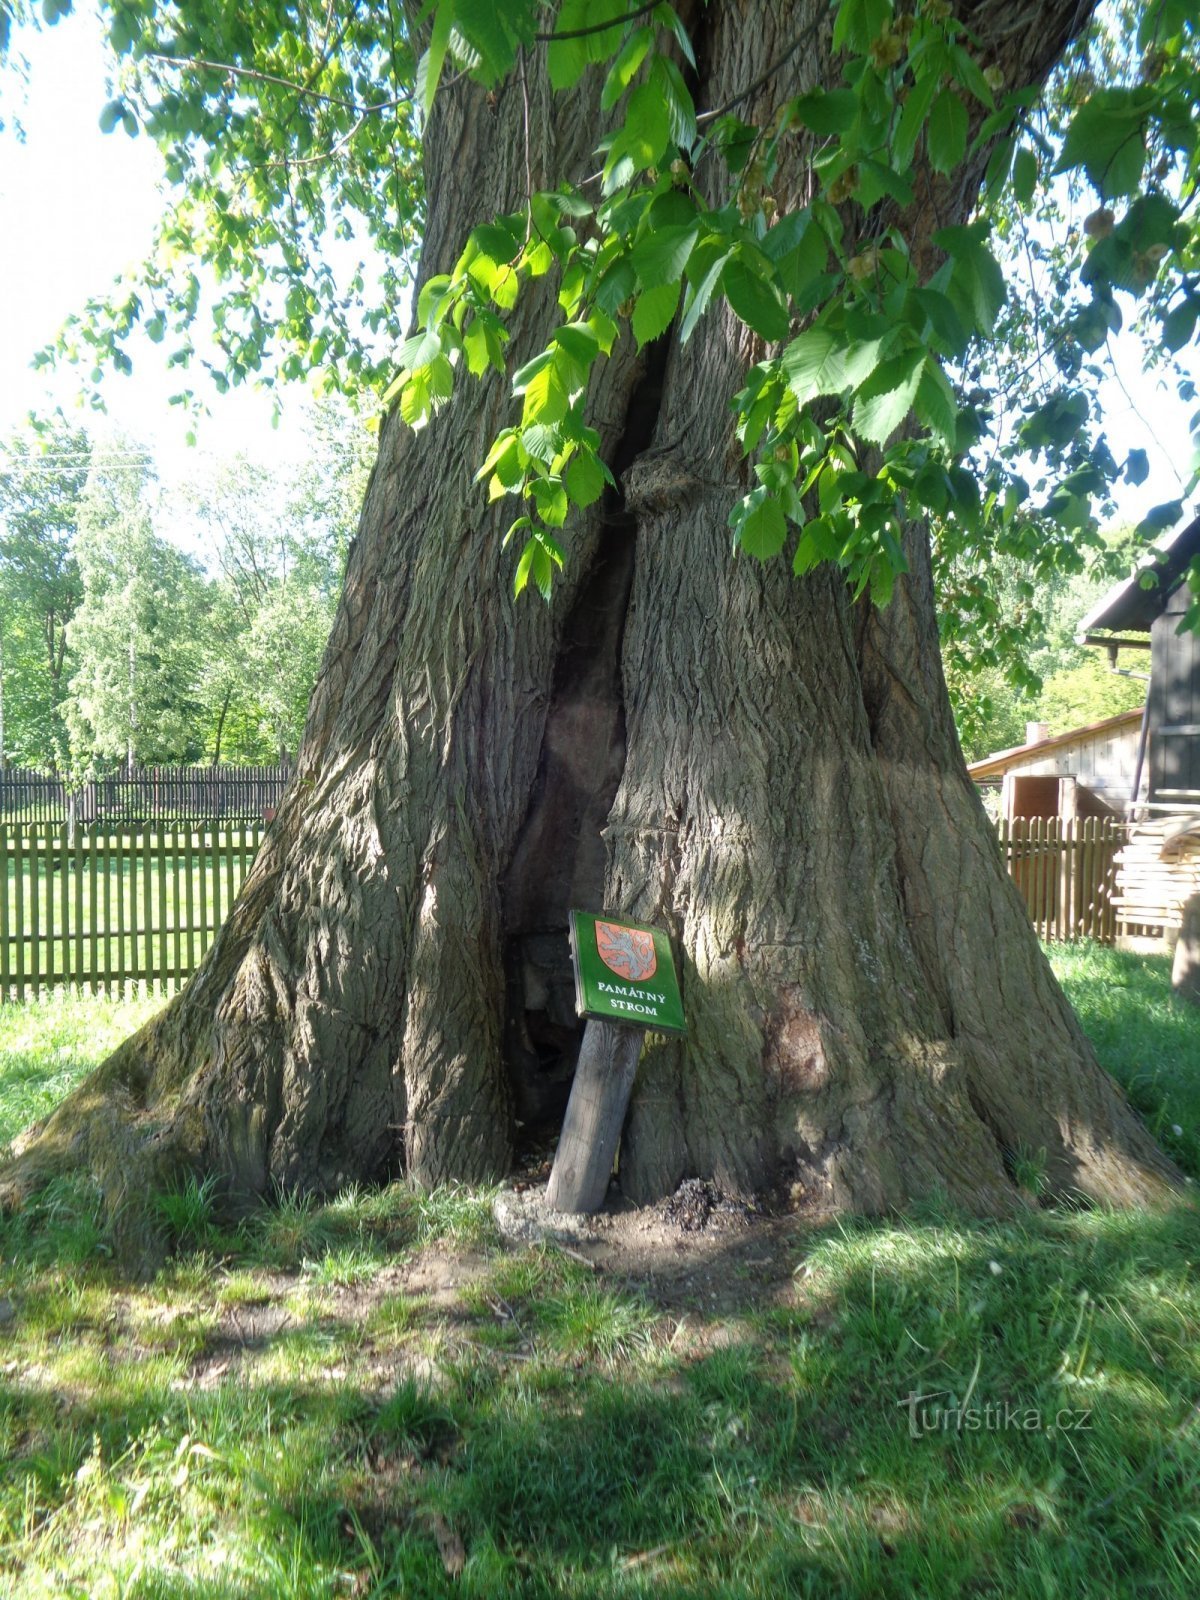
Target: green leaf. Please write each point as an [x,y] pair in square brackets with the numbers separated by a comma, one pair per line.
[603,329]
[886,398]
[662,255]
[616,285]
[441,378]
[760,527]
[653,313]
[859,22]
[580,343]
[429,71]
[525,564]
[698,297]
[970,75]
[976,275]
[799,269]
[483,24]
[735,140]
[524,375]
[935,404]
[483,341]
[643,139]
[876,179]
[585,479]
[758,303]
[1107,138]
[551,500]
[504,288]
[1179,324]
[1137,467]
[538,560]
[912,120]
[826,111]
[625,67]
[1024,175]
[667,16]
[820,363]
[567,59]
[545,400]
[415,398]
[946,135]
[680,105]
[498,243]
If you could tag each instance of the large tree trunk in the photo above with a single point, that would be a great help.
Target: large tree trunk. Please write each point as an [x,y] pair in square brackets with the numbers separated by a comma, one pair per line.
[751,760]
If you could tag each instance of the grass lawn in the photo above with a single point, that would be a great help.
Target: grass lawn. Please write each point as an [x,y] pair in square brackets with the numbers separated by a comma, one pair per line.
[373,1397]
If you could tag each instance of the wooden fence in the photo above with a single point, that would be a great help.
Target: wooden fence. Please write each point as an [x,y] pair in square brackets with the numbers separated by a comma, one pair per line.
[151,794]
[1066,870]
[111,906]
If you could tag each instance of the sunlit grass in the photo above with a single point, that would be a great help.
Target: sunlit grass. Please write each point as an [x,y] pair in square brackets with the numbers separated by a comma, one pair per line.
[47,1045]
[1146,1037]
[276,1415]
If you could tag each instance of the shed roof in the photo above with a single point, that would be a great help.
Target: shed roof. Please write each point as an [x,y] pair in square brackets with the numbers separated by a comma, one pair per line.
[1128,606]
[995,765]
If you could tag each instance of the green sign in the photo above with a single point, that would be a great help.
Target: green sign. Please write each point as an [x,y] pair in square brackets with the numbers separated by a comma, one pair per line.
[624,972]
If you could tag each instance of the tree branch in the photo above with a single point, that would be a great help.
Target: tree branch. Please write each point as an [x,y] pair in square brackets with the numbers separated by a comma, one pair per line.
[201,64]
[598,27]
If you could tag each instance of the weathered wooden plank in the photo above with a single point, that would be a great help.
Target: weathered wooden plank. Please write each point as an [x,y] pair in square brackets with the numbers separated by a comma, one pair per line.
[5,879]
[587,1147]
[19,905]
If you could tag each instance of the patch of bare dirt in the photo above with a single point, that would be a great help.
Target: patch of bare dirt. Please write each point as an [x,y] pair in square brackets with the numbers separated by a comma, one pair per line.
[699,1250]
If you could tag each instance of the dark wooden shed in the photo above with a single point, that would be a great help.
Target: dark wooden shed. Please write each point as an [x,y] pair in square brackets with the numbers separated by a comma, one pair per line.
[1144,612]
[1174,704]
[1158,870]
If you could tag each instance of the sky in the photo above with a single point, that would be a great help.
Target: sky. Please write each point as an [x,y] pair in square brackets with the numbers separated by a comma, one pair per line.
[77,207]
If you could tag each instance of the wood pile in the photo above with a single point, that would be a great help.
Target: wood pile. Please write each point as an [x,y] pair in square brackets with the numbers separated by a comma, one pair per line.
[1158,871]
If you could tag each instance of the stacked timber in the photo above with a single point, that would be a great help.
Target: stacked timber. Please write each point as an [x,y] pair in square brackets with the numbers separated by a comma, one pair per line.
[1158,871]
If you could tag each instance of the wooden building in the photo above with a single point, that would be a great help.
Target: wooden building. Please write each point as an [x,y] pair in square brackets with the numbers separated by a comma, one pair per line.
[1084,772]
[1159,868]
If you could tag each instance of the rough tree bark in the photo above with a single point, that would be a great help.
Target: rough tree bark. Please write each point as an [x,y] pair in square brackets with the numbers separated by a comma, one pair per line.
[764,767]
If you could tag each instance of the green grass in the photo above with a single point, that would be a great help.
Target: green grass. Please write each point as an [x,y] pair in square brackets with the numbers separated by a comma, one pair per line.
[46,1046]
[933,1407]
[1148,1040]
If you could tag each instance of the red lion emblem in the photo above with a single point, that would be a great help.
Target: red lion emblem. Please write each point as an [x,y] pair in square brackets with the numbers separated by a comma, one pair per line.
[626,951]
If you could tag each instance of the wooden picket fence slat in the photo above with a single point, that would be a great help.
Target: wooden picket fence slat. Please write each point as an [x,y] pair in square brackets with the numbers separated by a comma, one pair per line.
[1065,868]
[105,907]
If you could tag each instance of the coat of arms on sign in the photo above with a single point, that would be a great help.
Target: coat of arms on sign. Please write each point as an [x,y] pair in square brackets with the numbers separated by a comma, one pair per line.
[626,951]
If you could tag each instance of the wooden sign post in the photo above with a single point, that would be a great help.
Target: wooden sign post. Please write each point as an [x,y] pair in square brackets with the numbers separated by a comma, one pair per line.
[625,982]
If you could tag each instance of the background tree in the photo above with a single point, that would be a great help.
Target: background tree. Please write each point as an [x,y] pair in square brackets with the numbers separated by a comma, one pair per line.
[276,545]
[780,212]
[1010,648]
[138,633]
[43,470]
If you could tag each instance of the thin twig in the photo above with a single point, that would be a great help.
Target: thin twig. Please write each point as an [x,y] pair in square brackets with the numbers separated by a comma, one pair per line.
[201,64]
[599,27]
[781,61]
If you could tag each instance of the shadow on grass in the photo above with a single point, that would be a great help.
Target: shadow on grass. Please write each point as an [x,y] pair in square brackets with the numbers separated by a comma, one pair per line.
[938,1407]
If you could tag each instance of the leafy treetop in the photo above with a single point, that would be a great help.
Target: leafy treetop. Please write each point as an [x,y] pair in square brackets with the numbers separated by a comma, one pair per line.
[879,395]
